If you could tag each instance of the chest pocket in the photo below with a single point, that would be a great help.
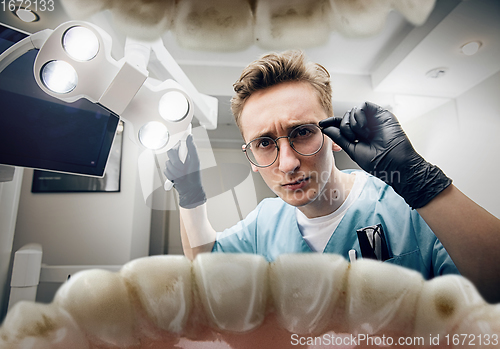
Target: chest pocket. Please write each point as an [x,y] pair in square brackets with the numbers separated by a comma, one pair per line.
[411,260]
[373,243]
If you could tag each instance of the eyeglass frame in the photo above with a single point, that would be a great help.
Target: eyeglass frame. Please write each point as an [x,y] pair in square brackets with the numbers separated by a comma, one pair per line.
[245,146]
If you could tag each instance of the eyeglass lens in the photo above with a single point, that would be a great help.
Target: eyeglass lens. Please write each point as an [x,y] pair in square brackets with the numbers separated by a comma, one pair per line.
[305,140]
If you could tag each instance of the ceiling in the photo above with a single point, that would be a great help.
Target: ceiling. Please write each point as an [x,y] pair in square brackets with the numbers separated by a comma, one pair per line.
[388,68]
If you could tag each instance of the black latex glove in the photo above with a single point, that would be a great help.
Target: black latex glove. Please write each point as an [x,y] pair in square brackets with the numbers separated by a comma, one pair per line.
[374,139]
[186,176]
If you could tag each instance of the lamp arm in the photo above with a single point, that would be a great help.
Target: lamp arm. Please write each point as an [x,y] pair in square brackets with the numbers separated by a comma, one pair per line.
[39,38]
[32,42]
[137,52]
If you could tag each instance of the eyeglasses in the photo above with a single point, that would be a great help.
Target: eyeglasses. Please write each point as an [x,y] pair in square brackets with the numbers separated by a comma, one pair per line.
[306,140]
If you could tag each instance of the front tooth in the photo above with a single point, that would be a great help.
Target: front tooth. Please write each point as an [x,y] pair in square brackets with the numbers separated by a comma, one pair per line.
[305,290]
[143,20]
[443,302]
[359,18]
[99,302]
[163,287]
[40,326]
[291,23]
[232,289]
[381,297]
[216,25]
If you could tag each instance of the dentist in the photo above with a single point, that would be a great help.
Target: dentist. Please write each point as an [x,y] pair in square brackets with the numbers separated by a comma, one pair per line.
[283,109]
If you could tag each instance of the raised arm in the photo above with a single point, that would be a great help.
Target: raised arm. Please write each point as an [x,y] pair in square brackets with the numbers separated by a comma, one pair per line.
[374,139]
[471,235]
[197,234]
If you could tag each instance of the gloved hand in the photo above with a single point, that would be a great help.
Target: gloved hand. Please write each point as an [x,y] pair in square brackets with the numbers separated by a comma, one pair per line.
[374,139]
[186,176]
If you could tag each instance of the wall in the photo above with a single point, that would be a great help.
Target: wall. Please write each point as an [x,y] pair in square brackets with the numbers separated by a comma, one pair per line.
[87,228]
[9,199]
[461,137]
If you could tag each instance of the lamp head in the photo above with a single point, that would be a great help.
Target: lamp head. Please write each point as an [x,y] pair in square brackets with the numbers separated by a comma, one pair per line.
[75,62]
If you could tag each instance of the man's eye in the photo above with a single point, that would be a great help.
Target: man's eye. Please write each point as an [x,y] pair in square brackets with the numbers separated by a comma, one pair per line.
[303,132]
[263,143]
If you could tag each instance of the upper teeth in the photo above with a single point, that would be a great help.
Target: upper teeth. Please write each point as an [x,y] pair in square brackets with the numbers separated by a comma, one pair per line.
[307,293]
[229,25]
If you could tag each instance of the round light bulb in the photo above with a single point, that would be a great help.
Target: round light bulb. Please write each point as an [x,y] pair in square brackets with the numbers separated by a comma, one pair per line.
[471,48]
[154,135]
[81,43]
[59,76]
[173,106]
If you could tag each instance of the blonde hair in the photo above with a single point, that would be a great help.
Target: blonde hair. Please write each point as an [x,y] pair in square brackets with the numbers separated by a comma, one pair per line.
[275,68]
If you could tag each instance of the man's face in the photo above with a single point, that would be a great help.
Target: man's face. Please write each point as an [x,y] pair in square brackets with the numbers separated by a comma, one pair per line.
[274,112]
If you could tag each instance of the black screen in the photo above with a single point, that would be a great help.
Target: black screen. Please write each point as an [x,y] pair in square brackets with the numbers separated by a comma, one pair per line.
[39,131]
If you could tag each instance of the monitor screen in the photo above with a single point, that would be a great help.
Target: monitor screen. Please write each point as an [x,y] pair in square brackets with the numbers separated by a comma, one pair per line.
[42,132]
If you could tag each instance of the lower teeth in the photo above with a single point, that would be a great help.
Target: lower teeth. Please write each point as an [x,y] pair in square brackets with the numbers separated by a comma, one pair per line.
[154,301]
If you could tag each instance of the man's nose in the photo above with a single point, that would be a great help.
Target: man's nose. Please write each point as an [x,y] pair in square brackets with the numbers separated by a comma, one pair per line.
[288,158]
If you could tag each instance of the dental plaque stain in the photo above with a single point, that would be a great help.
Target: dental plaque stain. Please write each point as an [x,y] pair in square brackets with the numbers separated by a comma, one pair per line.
[41,328]
[445,306]
[212,19]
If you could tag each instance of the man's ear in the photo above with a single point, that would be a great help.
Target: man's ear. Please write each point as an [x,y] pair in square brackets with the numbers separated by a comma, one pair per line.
[336,147]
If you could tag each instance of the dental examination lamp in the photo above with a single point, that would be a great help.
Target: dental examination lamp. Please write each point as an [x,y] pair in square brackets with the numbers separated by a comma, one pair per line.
[74,61]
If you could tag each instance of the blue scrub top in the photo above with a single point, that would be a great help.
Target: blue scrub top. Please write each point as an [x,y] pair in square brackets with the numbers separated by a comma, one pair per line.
[271,229]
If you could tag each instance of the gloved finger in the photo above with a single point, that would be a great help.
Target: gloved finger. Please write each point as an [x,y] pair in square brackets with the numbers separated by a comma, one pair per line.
[337,136]
[331,121]
[359,124]
[381,120]
[375,115]
[173,154]
[346,126]
[190,144]
[371,109]
[192,160]
[174,168]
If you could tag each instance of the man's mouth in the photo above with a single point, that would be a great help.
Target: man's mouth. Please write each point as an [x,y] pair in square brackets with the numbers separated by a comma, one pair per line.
[297,184]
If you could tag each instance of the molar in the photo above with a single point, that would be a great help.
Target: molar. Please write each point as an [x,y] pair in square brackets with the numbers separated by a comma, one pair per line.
[99,302]
[381,297]
[233,289]
[40,326]
[444,301]
[305,290]
[163,287]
